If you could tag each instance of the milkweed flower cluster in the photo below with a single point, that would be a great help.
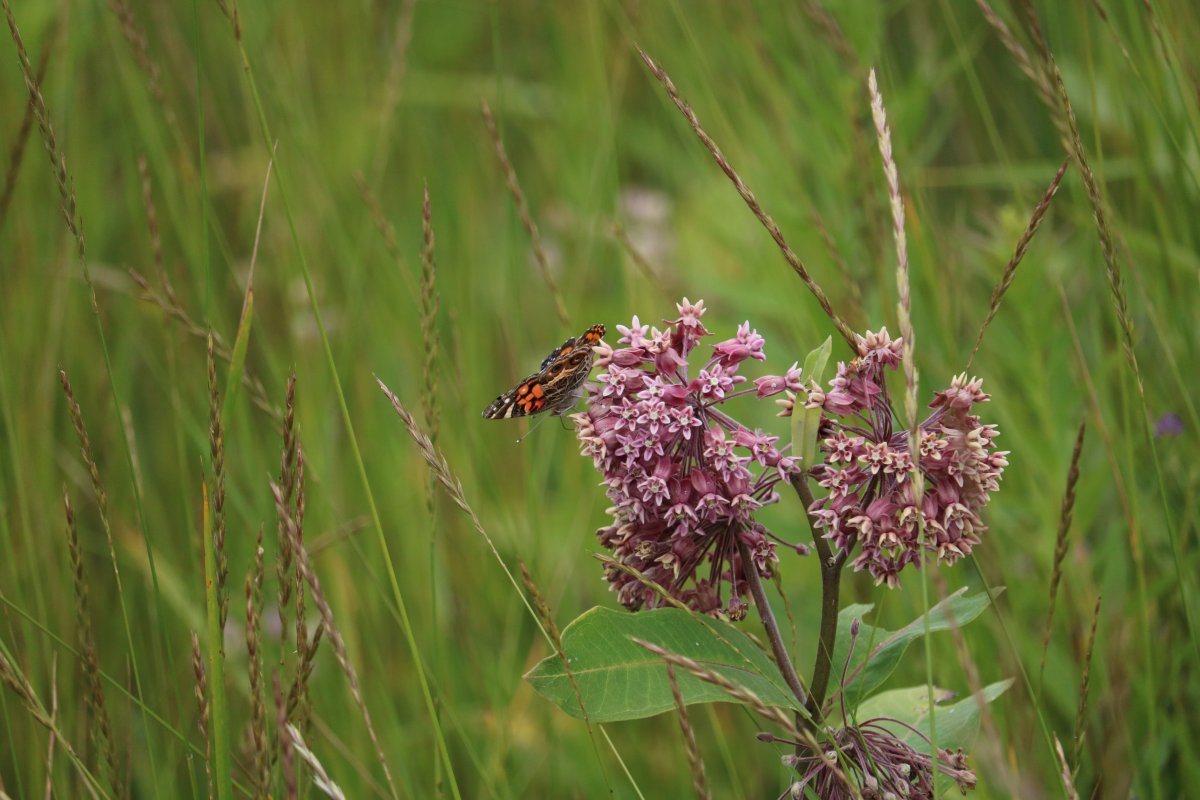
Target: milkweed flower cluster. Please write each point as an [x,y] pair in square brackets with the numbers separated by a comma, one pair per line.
[870,761]
[684,477]
[868,467]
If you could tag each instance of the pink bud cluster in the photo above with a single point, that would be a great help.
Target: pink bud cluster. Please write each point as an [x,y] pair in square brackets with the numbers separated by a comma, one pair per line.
[868,467]
[684,477]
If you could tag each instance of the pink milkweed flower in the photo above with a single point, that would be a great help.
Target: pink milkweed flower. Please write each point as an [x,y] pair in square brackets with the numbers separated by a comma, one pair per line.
[685,479]
[868,468]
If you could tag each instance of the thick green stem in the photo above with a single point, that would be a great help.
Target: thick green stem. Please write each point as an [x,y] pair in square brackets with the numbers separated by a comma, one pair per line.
[782,657]
[831,582]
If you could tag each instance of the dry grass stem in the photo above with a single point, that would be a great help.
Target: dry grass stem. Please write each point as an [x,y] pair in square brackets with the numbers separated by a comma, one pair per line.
[49,793]
[100,729]
[1024,63]
[833,33]
[58,162]
[514,186]
[11,676]
[641,577]
[393,83]
[440,469]
[287,481]
[904,296]
[1064,118]
[230,10]
[699,782]
[306,645]
[202,707]
[261,779]
[16,153]
[739,693]
[287,753]
[546,617]
[1081,708]
[216,445]
[429,312]
[1068,783]
[331,630]
[1061,540]
[388,232]
[542,608]
[751,201]
[1010,269]
[321,778]
[138,44]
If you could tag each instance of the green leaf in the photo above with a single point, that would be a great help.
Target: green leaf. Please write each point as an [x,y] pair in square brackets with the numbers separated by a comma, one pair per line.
[617,679]
[878,650]
[805,421]
[957,723]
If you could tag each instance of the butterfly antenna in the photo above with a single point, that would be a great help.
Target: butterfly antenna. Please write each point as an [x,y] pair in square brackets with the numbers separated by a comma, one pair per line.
[532,427]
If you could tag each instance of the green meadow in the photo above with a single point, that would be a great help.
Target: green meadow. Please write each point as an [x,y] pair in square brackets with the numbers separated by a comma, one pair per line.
[236,193]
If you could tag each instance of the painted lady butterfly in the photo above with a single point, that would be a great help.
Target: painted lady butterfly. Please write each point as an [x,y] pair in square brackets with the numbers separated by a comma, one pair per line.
[556,386]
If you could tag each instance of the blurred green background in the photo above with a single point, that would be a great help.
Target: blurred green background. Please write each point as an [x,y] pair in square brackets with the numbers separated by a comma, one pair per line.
[391,93]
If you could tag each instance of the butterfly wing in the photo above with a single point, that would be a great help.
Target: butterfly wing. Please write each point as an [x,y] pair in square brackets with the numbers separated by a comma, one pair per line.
[529,397]
[554,386]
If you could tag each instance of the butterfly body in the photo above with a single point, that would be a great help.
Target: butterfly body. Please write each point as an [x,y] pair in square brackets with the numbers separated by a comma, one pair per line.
[556,385]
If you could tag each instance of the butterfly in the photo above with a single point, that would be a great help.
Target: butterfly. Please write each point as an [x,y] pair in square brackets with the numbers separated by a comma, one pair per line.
[556,385]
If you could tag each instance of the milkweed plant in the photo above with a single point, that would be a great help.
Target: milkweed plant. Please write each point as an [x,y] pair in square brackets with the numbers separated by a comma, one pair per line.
[869,487]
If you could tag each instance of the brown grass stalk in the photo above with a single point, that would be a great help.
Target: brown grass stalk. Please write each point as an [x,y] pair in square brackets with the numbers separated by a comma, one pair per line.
[833,33]
[1020,55]
[1063,114]
[429,312]
[751,201]
[393,82]
[546,617]
[306,645]
[287,753]
[16,154]
[388,231]
[514,187]
[100,729]
[49,793]
[1010,269]
[1081,707]
[216,446]
[739,693]
[11,676]
[699,782]
[135,37]
[261,778]
[1061,541]
[287,481]
[1068,782]
[201,693]
[230,10]
[331,630]
[904,295]
[58,162]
